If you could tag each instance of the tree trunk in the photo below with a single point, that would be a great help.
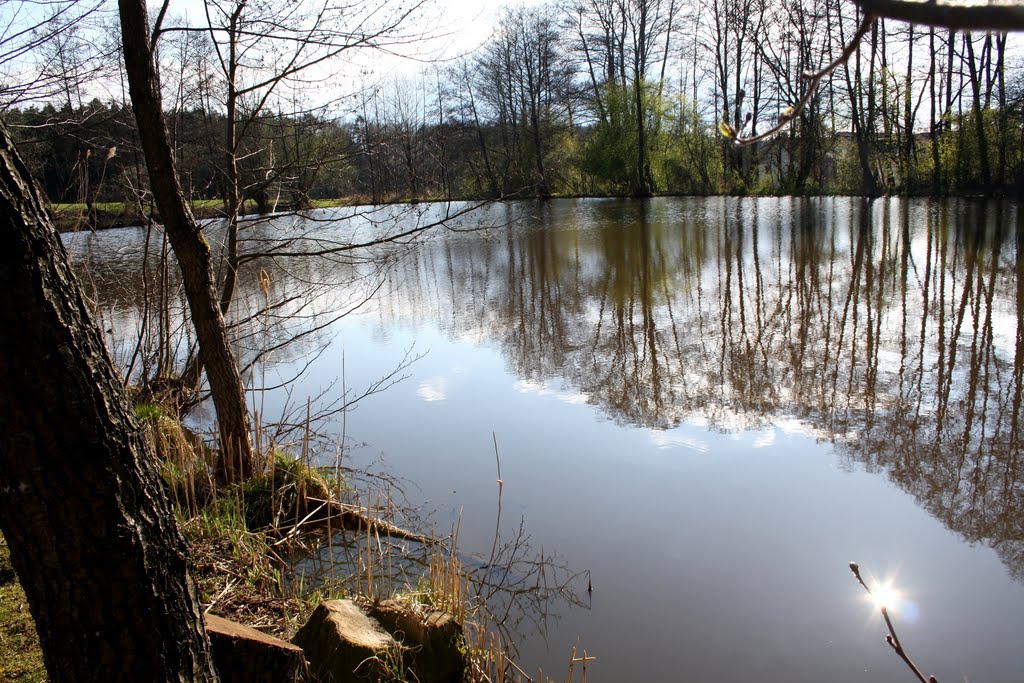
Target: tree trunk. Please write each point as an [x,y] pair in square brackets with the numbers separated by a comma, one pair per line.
[90,528]
[935,121]
[979,119]
[859,122]
[189,244]
[1004,122]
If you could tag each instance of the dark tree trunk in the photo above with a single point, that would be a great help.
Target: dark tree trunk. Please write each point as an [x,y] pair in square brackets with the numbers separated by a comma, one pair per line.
[935,121]
[641,187]
[189,244]
[543,189]
[979,119]
[90,529]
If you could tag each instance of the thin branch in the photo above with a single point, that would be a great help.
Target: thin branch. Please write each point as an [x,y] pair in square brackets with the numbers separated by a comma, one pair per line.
[814,79]
[891,637]
[336,248]
[158,25]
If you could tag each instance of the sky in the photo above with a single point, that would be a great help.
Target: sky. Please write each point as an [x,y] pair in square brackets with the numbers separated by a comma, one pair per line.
[459,26]
[453,27]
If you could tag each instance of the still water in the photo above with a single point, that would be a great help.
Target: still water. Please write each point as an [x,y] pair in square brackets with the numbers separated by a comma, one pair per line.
[710,406]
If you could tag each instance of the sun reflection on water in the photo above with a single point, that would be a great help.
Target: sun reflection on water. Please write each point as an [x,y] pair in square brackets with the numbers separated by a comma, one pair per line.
[885,594]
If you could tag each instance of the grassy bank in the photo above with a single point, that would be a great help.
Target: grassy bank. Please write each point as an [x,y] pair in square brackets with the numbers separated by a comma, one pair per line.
[75,217]
[21,658]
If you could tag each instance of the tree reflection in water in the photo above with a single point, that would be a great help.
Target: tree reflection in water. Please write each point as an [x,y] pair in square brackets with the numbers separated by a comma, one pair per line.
[891,328]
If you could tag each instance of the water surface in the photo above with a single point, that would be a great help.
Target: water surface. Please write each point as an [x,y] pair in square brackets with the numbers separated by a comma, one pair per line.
[713,405]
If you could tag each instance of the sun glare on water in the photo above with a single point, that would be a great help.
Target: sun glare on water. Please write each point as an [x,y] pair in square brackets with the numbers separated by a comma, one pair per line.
[886,595]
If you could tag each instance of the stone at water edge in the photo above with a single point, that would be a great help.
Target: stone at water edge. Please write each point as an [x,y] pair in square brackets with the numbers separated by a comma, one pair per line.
[435,651]
[343,644]
[242,654]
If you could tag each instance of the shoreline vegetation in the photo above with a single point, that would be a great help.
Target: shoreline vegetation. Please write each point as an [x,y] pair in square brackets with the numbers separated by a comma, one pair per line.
[267,552]
[109,215]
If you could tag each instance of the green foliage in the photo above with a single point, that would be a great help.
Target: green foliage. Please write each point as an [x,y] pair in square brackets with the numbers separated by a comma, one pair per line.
[282,494]
[607,157]
[612,153]
[960,152]
[690,160]
[149,412]
[560,162]
[848,173]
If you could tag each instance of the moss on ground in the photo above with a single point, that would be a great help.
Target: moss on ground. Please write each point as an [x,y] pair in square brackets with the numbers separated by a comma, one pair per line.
[21,658]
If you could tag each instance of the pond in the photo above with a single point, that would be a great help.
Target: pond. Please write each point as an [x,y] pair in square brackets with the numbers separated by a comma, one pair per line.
[709,407]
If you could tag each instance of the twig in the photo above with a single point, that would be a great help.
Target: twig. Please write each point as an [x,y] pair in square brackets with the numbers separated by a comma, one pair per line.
[227,587]
[814,79]
[515,666]
[294,531]
[891,637]
[497,520]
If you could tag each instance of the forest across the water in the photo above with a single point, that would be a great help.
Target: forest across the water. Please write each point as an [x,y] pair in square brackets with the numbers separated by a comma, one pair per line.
[567,100]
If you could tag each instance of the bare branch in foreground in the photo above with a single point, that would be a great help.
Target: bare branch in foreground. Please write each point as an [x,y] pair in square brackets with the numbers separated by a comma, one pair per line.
[814,78]
[891,637]
[997,16]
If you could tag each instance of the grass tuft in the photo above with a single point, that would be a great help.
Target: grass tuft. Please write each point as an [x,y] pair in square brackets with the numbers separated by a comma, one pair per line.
[285,493]
[185,462]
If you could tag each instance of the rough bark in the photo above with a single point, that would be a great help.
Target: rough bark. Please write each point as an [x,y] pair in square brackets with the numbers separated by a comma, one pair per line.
[189,244]
[90,529]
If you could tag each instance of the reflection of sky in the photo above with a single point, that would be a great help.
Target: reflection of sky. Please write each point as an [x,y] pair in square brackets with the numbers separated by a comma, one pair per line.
[545,389]
[677,438]
[433,389]
[747,543]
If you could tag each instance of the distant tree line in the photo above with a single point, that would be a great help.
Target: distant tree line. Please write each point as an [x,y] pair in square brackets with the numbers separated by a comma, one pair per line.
[586,97]
[90,153]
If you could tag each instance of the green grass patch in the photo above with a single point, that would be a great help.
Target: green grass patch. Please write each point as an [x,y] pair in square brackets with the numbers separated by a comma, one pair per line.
[21,657]
[281,495]
[148,411]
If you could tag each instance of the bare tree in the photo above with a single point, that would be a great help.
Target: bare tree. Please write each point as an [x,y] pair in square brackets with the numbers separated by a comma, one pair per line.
[189,243]
[262,50]
[42,55]
[626,46]
[526,79]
